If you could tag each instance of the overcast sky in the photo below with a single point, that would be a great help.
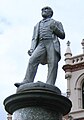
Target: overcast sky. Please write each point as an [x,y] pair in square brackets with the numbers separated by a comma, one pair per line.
[17,20]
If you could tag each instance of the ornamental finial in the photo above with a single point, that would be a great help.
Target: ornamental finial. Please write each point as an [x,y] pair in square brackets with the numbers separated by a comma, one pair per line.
[82,45]
[68,43]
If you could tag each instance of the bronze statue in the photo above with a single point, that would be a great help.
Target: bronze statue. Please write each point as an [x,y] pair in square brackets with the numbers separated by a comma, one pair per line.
[45,47]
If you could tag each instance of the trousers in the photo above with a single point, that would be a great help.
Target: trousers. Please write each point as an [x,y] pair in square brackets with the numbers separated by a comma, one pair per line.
[44,47]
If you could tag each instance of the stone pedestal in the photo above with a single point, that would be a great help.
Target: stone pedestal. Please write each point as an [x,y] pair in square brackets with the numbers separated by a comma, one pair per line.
[37,101]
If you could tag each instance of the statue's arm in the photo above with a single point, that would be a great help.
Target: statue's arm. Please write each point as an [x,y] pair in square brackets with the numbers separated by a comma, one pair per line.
[33,43]
[58,30]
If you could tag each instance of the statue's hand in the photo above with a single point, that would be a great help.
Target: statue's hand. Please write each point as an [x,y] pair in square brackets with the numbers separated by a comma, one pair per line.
[30,52]
[53,26]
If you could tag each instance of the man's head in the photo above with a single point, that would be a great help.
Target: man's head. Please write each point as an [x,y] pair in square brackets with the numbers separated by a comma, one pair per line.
[47,12]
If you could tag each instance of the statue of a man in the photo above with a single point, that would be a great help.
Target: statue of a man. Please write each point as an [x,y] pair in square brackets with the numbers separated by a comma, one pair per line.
[45,47]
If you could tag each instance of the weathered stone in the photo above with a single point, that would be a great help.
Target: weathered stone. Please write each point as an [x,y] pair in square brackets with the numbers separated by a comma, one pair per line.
[36,113]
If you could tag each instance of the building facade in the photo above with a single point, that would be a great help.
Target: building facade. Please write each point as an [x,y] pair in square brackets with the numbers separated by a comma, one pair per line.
[9,117]
[74,73]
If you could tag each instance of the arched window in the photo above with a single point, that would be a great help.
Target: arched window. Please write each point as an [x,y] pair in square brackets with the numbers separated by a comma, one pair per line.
[83,95]
[79,85]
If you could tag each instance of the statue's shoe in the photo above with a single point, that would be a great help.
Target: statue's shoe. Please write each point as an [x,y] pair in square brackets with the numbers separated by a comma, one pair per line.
[18,84]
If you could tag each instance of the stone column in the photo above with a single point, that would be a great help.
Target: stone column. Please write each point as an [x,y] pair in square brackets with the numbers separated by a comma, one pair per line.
[37,101]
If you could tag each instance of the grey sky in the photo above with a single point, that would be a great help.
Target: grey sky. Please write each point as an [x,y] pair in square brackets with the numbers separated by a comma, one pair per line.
[17,19]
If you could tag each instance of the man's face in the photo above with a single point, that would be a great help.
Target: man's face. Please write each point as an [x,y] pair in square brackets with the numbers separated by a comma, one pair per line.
[46,12]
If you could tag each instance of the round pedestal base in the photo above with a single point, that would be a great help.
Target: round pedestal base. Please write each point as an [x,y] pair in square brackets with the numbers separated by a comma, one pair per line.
[36,113]
[37,102]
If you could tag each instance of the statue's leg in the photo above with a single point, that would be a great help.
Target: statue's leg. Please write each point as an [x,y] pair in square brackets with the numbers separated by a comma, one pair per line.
[53,59]
[34,61]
